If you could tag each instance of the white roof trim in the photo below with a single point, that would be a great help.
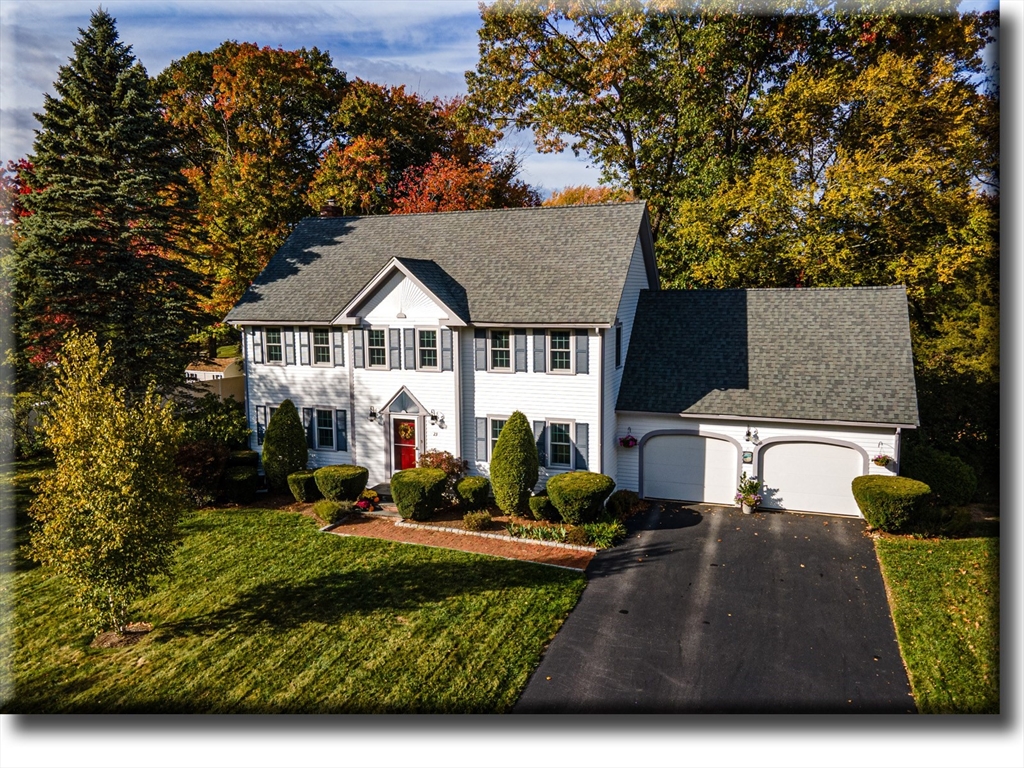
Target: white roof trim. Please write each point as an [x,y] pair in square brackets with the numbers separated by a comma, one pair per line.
[347,315]
[751,419]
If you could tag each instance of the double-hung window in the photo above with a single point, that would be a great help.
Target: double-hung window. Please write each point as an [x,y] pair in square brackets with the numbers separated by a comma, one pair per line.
[501,351]
[324,429]
[427,349]
[559,445]
[275,346]
[497,424]
[560,351]
[321,346]
[377,347]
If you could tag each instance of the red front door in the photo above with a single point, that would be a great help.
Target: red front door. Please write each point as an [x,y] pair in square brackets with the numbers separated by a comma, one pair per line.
[405,443]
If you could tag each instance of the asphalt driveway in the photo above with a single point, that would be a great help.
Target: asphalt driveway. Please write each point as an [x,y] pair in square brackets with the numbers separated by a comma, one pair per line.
[704,609]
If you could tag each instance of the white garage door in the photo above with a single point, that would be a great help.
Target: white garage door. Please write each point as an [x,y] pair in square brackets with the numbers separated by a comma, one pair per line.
[810,477]
[690,468]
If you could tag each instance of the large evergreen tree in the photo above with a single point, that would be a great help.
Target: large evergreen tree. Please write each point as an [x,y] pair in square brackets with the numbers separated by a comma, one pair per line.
[107,196]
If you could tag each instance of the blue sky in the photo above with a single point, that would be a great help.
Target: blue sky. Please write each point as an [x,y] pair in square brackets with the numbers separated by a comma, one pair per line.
[427,46]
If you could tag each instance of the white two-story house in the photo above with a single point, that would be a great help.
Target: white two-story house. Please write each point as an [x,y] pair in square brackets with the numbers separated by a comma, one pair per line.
[393,335]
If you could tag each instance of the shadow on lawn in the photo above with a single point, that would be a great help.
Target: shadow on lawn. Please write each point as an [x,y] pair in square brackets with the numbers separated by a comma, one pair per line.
[329,598]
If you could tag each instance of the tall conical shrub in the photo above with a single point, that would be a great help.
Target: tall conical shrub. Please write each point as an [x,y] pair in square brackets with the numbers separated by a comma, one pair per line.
[284,447]
[514,466]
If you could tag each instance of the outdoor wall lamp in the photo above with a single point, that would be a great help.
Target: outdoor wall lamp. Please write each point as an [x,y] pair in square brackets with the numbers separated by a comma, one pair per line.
[751,436]
[373,413]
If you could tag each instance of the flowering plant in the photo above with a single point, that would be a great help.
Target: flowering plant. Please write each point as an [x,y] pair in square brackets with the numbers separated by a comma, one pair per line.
[747,492]
[882,459]
[368,500]
[628,441]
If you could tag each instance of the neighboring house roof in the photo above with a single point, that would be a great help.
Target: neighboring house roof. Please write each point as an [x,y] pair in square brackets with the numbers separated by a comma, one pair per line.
[520,265]
[216,364]
[817,354]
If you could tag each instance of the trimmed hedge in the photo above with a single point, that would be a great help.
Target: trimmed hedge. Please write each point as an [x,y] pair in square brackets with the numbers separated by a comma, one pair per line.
[333,511]
[623,504]
[240,484]
[341,482]
[284,446]
[201,465]
[514,465]
[474,492]
[303,486]
[951,479]
[889,503]
[244,458]
[543,509]
[476,521]
[418,493]
[579,496]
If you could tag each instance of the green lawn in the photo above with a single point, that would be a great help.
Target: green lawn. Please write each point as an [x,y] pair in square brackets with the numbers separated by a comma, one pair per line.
[945,603]
[266,614]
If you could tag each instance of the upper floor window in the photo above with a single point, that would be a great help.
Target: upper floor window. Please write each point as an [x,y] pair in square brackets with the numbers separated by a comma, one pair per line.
[427,346]
[560,351]
[501,351]
[376,344]
[321,346]
[275,347]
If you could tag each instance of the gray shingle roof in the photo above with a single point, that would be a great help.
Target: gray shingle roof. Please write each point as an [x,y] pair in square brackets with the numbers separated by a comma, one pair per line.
[821,354]
[523,265]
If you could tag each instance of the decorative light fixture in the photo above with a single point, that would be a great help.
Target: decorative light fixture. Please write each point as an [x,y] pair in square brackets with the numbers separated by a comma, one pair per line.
[373,413]
[434,417]
[747,436]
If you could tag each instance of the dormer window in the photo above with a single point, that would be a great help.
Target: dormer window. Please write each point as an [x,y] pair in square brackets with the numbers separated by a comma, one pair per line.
[500,351]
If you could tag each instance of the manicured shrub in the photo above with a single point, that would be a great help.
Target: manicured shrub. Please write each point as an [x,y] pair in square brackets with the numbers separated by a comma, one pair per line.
[889,503]
[244,458]
[577,536]
[514,465]
[476,521]
[603,534]
[579,496]
[474,492]
[418,493]
[284,446]
[543,509]
[624,504]
[453,467]
[211,418]
[303,486]
[201,465]
[240,484]
[333,511]
[952,480]
[341,482]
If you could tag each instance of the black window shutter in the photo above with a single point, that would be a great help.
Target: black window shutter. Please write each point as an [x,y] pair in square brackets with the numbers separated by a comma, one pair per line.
[481,439]
[446,349]
[261,423]
[257,345]
[410,349]
[582,445]
[307,422]
[288,339]
[618,346]
[341,428]
[582,350]
[480,349]
[394,348]
[540,433]
[520,335]
[540,351]
[358,344]
[338,337]
[304,346]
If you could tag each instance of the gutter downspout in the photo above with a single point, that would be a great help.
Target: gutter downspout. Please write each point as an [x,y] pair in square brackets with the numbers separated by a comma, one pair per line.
[600,403]
[457,369]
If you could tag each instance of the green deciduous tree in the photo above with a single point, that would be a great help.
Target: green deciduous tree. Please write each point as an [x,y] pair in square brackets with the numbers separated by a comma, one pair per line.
[105,518]
[107,198]
[284,447]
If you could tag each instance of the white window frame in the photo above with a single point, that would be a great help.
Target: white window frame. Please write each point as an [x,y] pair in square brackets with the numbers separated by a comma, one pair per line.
[490,351]
[571,370]
[266,344]
[436,348]
[572,444]
[491,440]
[317,410]
[387,342]
[313,345]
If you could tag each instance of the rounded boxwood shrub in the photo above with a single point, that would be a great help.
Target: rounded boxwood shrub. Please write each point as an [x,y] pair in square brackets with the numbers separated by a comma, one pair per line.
[623,504]
[514,465]
[240,484]
[303,486]
[244,458]
[418,493]
[889,503]
[333,511]
[284,447]
[474,492]
[476,521]
[543,509]
[579,496]
[341,482]
[951,479]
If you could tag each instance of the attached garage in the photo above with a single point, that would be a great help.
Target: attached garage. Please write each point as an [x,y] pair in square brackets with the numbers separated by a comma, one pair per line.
[811,476]
[684,467]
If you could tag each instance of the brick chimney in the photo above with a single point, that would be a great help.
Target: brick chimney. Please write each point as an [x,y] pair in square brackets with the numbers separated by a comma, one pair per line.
[330,209]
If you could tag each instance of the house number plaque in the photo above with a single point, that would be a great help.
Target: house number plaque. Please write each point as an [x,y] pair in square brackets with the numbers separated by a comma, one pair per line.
[748,457]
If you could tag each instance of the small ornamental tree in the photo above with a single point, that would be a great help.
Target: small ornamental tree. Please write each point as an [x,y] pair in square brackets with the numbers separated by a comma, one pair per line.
[105,518]
[284,447]
[514,466]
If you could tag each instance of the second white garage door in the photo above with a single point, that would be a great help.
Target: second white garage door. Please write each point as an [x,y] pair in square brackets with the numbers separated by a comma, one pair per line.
[810,477]
[690,468]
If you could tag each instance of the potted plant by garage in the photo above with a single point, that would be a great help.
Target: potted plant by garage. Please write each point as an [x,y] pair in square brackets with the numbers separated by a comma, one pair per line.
[882,460]
[748,493]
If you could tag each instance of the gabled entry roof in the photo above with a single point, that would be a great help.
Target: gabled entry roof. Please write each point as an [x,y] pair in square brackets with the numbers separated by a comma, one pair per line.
[816,354]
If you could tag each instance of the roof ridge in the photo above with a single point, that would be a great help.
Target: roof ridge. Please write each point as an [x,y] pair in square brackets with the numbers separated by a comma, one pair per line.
[813,288]
[476,210]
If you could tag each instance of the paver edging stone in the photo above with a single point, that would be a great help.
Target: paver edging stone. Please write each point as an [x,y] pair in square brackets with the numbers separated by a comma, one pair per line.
[499,536]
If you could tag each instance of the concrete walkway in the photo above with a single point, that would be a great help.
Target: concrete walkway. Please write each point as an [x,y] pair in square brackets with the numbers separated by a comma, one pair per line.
[704,609]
